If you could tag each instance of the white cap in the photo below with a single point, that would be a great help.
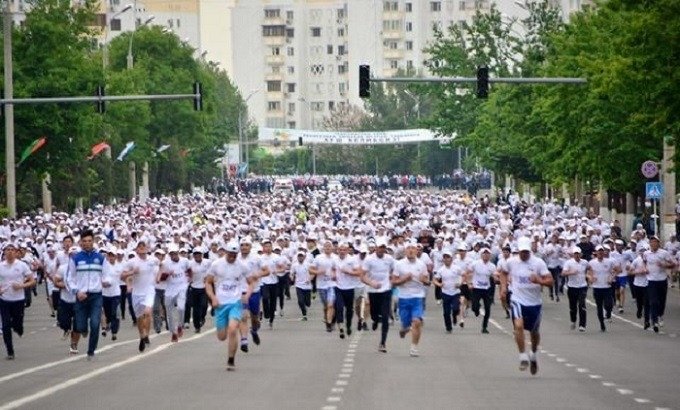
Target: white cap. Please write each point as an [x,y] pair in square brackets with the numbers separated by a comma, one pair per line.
[447,253]
[232,247]
[576,249]
[173,248]
[524,244]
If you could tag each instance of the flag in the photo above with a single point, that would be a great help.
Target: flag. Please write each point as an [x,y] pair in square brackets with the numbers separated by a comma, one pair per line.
[98,149]
[162,148]
[32,149]
[128,147]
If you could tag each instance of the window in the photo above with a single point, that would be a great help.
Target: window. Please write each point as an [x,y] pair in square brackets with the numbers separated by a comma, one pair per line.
[342,68]
[391,25]
[341,50]
[409,26]
[291,124]
[274,106]
[171,23]
[436,26]
[178,24]
[275,69]
[275,122]
[289,15]
[329,49]
[391,6]
[291,108]
[272,13]
[290,32]
[331,105]
[290,52]
[461,5]
[341,32]
[394,64]
[342,87]
[435,6]
[330,69]
[273,31]
[392,45]
[317,69]
[276,51]
[342,13]
[290,70]
[290,87]
[409,7]
[409,65]
[115,24]
[409,45]
[274,86]
[316,31]
[317,106]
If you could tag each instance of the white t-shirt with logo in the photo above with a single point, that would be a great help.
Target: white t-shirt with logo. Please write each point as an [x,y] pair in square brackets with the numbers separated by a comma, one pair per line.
[577,279]
[228,279]
[379,270]
[145,276]
[327,266]
[451,278]
[525,292]
[412,288]
[17,272]
[481,274]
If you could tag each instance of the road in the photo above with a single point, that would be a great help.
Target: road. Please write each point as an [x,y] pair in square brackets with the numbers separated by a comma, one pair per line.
[300,366]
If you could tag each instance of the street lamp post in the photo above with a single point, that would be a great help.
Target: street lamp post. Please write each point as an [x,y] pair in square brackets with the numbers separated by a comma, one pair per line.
[10,169]
[311,126]
[243,145]
[130,57]
[107,29]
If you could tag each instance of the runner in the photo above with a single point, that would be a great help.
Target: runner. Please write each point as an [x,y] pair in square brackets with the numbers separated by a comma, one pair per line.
[227,277]
[411,276]
[578,273]
[84,279]
[479,275]
[658,262]
[111,293]
[15,276]
[348,273]
[251,310]
[198,268]
[525,276]
[324,268]
[302,281]
[376,272]
[143,270]
[603,276]
[176,271]
[448,278]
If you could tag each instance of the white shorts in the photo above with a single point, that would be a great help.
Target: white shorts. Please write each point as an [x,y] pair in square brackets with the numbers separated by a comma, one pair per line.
[142,302]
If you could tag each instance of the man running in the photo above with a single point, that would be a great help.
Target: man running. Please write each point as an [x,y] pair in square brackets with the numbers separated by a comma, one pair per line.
[377,269]
[526,275]
[15,277]
[324,268]
[448,277]
[480,275]
[228,276]
[578,272]
[348,272]
[410,275]
[143,271]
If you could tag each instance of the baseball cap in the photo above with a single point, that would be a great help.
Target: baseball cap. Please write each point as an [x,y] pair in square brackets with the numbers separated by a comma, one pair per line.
[232,247]
[524,244]
[576,249]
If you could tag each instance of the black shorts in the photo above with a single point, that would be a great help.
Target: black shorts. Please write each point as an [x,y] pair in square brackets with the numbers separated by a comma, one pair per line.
[465,291]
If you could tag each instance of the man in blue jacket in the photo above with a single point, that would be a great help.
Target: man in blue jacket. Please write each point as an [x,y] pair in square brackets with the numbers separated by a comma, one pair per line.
[84,279]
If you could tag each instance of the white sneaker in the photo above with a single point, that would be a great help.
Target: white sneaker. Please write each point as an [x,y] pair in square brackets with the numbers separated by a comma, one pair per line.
[413,352]
[523,361]
[660,321]
[581,329]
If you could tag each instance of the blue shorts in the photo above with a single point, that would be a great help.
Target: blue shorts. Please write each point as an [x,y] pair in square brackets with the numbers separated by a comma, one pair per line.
[621,282]
[253,305]
[531,315]
[327,296]
[409,309]
[226,313]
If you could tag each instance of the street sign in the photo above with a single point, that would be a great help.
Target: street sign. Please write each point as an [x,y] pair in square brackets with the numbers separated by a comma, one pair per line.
[653,190]
[649,169]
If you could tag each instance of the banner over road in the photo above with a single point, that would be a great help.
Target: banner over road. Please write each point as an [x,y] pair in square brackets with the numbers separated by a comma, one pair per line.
[348,138]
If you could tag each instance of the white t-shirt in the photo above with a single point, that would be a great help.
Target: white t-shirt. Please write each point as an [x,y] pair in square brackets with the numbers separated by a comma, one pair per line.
[481,274]
[412,288]
[145,274]
[252,264]
[301,272]
[64,294]
[578,279]
[17,273]
[379,270]
[327,266]
[451,278]
[111,276]
[344,280]
[602,273]
[177,280]
[269,261]
[638,265]
[524,291]
[198,272]
[654,261]
[228,278]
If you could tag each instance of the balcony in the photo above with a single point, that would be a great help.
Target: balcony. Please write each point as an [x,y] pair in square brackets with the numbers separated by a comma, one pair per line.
[274,41]
[273,77]
[393,35]
[274,95]
[390,72]
[393,15]
[274,60]
[393,54]
[274,21]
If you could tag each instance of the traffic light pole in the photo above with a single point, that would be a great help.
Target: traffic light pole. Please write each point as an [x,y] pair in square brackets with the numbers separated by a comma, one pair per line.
[507,80]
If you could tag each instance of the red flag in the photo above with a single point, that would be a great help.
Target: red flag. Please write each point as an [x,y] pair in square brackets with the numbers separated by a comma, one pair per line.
[98,149]
[32,149]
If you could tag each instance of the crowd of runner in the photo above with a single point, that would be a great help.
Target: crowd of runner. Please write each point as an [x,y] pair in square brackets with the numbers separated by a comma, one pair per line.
[368,257]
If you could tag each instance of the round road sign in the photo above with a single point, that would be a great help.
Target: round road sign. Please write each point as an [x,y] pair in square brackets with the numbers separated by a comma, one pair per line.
[649,169]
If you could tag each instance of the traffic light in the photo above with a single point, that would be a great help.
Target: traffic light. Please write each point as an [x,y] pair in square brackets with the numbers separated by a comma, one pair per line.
[101,104]
[198,96]
[299,141]
[364,81]
[482,82]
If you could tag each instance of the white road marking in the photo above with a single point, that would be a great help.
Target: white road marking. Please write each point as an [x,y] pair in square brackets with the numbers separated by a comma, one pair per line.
[348,365]
[625,392]
[333,399]
[642,400]
[341,375]
[594,376]
[68,360]
[346,370]
[341,383]
[329,408]
[560,360]
[337,389]
[349,360]
[88,376]
[582,370]
[608,384]
[569,364]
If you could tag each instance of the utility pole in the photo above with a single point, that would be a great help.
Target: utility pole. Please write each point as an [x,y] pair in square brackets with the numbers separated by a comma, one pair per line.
[10,168]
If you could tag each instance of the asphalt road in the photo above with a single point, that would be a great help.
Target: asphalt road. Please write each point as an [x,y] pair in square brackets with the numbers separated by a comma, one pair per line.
[300,366]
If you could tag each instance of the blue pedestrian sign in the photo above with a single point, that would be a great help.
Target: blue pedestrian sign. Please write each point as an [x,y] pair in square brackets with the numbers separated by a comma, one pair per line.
[654,190]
